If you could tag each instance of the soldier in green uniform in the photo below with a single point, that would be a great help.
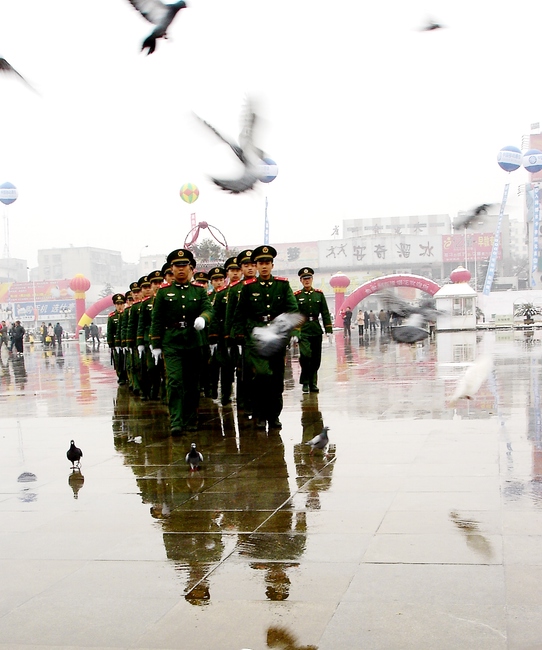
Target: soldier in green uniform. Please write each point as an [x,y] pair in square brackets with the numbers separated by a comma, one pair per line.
[112,324]
[138,368]
[312,304]
[237,353]
[261,300]
[220,352]
[167,273]
[131,300]
[217,276]
[120,339]
[151,372]
[201,278]
[180,312]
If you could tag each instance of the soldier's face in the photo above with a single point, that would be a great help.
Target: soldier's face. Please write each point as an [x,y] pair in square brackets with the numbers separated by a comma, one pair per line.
[168,276]
[137,294]
[182,273]
[307,281]
[119,306]
[234,274]
[248,269]
[217,283]
[146,291]
[264,268]
[155,285]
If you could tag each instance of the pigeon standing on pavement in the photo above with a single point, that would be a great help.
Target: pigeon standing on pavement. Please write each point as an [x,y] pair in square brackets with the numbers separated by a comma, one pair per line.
[160,14]
[473,378]
[247,153]
[194,458]
[272,338]
[320,441]
[74,454]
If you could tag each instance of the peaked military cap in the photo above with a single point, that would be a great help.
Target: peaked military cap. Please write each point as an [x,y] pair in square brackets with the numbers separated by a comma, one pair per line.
[128,295]
[245,257]
[143,281]
[118,298]
[306,272]
[264,253]
[217,272]
[134,286]
[181,256]
[231,263]
[155,275]
[201,276]
[166,269]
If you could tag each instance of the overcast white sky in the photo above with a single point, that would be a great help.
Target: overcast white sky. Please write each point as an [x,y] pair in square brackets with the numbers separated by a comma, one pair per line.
[365,115]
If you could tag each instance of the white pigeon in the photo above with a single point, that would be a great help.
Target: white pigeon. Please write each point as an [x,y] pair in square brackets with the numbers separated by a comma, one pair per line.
[194,458]
[473,378]
[271,339]
[320,441]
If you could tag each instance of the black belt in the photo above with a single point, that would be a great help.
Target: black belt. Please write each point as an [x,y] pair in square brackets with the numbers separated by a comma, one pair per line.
[180,325]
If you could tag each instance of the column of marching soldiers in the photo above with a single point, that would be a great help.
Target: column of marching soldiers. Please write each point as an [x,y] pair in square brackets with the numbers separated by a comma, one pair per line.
[173,340]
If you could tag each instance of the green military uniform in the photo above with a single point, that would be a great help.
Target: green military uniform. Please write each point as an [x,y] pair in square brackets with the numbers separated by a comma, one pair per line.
[152,373]
[112,325]
[260,301]
[120,336]
[312,304]
[137,363]
[176,307]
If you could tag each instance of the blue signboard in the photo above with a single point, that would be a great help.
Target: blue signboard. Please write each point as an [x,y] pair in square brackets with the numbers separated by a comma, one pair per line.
[45,310]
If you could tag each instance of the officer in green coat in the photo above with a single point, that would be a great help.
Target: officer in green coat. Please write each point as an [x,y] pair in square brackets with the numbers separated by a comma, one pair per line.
[261,300]
[112,325]
[312,304]
[181,310]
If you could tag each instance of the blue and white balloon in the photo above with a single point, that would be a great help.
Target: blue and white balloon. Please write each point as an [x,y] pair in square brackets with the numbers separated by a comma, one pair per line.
[509,158]
[8,193]
[268,170]
[532,161]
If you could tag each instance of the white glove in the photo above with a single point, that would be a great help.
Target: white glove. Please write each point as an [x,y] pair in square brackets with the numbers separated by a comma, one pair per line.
[156,353]
[117,350]
[213,347]
[141,350]
[126,350]
[330,338]
[199,323]
[294,339]
[240,349]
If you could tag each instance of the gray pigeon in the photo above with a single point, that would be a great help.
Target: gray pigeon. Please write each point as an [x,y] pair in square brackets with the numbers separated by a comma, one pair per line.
[160,14]
[411,331]
[417,317]
[320,441]
[74,454]
[7,68]
[474,217]
[271,339]
[249,155]
[194,458]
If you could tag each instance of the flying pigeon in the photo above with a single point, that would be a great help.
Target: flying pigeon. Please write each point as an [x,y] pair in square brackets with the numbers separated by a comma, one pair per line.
[194,458]
[160,14]
[473,378]
[320,441]
[431,25]
[475,216]
[271,339]
[411,331]
[74,454]
[417,316]
[249,155]
[6,67]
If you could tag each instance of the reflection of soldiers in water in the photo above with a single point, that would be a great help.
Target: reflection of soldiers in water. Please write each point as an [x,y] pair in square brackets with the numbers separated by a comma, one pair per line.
[19,371]
[313,473]
[6,375]
[281,637]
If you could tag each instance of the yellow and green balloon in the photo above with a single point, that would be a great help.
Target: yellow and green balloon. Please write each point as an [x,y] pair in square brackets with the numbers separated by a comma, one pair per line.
[189,193]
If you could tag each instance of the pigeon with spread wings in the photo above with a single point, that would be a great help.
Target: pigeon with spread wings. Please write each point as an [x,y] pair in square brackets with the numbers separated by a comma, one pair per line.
[7,68]
[274,337]
[417,317]
[160,14]
[475,217]
[247,153]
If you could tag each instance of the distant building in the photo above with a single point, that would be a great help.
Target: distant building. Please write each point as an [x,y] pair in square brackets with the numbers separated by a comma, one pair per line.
[13,270]
[99,265]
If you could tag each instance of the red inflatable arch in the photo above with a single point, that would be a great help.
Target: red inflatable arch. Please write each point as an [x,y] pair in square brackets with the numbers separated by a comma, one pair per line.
[94,310]
[386,282]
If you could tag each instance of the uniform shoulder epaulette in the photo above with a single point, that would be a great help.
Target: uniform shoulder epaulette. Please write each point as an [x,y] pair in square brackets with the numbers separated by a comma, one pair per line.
[318,290]
[112,313]
[226,286]
[197,284]
[146,298]
[232,284]
[164,284]
[298,291]
[249,281]
[278,277]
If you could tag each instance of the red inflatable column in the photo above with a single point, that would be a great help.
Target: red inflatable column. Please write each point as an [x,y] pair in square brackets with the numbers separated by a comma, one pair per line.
[339,283]
[79,284]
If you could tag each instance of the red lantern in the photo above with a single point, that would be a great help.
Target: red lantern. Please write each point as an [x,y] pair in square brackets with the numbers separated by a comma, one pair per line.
[460,274]
[79,284]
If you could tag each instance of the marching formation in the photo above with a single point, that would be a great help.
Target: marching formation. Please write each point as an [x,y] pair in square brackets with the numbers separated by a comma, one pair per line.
[173,340]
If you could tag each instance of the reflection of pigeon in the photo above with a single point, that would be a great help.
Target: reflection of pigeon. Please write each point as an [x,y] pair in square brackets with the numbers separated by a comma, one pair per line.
[245,151]
[320,441]
[9,69]
[76,481]
[273,338]
[159,14]
[474,217]
[194,458]
[74,454]
[473,378]
[411,331]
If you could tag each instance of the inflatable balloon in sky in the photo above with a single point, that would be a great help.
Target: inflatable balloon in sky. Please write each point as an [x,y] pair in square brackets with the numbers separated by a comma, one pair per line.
[189,193]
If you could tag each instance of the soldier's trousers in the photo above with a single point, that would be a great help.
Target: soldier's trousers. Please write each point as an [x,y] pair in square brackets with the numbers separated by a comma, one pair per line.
[268,389]
[182,367]
[310,357]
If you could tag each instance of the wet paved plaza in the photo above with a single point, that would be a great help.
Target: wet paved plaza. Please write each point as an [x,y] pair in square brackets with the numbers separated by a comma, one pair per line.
[420,528]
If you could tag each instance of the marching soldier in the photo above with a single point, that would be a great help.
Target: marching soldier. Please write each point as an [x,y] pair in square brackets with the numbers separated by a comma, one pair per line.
[180,312]
[120,339]
[237,353]
[138,368]
[312,304]
[127,344]
[261,300]
[151,375]
[112,325]
[202,278]
[217,277]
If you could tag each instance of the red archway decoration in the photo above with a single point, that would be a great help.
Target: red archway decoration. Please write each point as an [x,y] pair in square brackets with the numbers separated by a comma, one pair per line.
[215,233]
[386,282]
